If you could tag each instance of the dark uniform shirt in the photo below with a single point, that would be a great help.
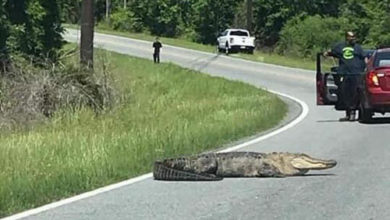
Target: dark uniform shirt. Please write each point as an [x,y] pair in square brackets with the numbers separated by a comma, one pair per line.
[157,45]
[351,58]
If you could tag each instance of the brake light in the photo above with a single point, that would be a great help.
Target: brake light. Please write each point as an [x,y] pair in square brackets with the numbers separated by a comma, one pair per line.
[373,79]
[231,40]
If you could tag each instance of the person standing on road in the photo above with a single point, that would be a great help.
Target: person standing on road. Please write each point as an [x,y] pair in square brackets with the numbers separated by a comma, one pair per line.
[351,64]
[156,55]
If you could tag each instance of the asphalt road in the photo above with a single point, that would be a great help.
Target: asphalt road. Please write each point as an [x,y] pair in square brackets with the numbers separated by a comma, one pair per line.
[357,188]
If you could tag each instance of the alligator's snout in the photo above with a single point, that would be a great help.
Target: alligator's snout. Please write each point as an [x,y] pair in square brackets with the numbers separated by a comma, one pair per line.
[309,163]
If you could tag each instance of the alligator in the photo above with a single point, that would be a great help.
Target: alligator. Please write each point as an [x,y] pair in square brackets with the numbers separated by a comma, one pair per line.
[216,166]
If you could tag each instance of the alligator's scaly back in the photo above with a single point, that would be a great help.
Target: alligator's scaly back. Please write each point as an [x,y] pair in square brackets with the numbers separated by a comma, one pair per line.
[199,168]
[162,172]
[215,166]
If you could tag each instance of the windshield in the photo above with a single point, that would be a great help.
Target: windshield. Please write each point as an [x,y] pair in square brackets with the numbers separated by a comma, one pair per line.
[382,59]
[239,33]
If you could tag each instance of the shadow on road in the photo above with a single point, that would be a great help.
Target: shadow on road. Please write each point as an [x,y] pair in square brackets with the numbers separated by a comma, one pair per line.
[318,174]
[204,62]
[298,176]
[378,121]
[330,120]
[373,121]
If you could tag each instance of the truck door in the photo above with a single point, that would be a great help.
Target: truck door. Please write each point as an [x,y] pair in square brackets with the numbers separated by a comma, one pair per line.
[326,84]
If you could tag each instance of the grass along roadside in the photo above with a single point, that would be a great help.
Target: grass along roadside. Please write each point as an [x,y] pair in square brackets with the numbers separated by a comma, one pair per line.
[166,111]
[258,56]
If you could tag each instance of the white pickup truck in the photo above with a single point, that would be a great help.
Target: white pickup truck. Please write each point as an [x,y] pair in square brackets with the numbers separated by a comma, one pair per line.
[235,40]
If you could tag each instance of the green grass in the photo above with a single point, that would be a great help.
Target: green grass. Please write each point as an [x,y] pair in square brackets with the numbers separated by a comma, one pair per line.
[165,111]
[258,56]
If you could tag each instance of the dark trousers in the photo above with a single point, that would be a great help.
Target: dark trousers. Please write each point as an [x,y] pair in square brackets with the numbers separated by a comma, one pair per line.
[156,57]
[349,92]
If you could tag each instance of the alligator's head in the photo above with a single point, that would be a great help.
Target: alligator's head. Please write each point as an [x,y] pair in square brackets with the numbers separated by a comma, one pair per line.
[291,164]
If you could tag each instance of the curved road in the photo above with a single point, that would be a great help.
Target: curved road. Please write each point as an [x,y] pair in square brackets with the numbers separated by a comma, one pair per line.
[357,188]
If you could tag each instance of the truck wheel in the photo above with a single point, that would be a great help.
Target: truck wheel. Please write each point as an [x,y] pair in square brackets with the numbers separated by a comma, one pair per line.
[250,51]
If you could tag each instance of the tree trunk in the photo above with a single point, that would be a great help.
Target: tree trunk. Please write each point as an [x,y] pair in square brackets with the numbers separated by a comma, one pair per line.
[249,15]
[87,28]
[124,4]
[108,8]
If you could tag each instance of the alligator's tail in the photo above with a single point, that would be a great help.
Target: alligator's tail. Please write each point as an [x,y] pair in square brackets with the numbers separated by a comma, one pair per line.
[162,172]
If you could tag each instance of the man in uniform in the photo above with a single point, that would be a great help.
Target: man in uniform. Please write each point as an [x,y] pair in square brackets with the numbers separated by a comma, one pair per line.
[156,55]
[351,64]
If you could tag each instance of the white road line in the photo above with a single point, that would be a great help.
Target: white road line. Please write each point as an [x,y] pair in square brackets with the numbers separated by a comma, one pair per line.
[305,111]
[76,198]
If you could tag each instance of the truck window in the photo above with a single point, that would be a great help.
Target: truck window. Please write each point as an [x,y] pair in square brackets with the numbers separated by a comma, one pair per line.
[382,59]
[239,33]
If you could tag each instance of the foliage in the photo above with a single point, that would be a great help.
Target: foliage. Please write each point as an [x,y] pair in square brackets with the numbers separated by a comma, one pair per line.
[140,10]
[380,32]
[162,17]
[371,17]
[125,20]
[212,17]
[305,36]
[271,15]
[70,11]
[36,30]
[4,33]
[355,13]
[202,20]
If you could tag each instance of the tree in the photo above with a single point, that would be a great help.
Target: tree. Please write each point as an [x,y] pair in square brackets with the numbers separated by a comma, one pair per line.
[4,33]
[304,36]
[70,11]
[87,29]
[271,15]
[249,15]
[163,19]
[378,18]
[52,29]
[108,9]
[35,31]
[212,17]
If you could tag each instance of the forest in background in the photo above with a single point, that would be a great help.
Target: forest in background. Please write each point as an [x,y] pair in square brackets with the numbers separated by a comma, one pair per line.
[289,27]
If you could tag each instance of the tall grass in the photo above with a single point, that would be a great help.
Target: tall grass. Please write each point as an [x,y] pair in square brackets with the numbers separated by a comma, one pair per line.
[165,111]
